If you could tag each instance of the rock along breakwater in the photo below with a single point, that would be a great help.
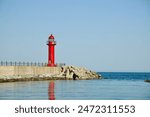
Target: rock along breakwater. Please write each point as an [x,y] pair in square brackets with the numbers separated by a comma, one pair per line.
[35,73]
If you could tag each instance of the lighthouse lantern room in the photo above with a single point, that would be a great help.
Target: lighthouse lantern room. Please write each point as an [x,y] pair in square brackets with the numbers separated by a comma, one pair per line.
[51,51]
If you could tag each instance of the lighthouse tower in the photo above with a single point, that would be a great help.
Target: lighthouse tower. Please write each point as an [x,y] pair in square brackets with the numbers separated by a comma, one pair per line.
[51,51]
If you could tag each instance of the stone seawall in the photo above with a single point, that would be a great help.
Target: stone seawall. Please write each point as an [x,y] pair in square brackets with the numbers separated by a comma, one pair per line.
[27,70]
[31,73]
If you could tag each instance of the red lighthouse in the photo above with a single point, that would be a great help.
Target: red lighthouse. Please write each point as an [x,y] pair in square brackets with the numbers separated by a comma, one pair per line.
[51,51]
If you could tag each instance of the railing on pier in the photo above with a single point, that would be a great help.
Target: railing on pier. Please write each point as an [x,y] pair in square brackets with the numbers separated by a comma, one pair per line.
[60,64]
[8,63]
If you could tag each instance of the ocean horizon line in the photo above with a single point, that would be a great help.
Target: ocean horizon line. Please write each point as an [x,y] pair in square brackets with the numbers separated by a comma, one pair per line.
[122,72]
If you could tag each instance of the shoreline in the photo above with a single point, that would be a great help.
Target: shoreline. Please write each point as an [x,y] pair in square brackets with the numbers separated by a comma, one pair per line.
[39,79]
[61,73]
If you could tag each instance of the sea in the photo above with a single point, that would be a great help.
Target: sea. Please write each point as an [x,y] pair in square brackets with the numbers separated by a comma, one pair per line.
[112,86]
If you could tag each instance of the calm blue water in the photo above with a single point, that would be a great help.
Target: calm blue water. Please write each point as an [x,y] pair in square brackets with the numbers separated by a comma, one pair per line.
[114,86]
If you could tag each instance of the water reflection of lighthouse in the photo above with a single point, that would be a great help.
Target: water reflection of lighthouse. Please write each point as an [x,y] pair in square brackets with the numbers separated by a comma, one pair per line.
[51,93]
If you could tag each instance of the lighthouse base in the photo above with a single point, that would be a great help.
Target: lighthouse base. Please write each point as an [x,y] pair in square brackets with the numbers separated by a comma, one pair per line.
[51,65]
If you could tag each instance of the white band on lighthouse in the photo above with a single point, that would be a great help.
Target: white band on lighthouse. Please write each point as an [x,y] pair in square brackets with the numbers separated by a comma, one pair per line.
[54,42]
[50,40]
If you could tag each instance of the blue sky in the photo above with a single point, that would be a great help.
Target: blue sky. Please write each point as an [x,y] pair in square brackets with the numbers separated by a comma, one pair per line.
[102,35]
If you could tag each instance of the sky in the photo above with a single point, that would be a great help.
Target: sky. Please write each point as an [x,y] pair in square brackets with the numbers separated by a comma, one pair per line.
[101,35]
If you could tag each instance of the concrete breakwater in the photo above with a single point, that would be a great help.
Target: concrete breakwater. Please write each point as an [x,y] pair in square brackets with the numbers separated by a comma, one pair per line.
[31,73]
